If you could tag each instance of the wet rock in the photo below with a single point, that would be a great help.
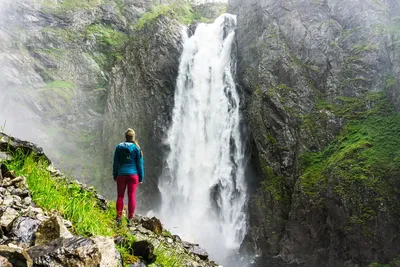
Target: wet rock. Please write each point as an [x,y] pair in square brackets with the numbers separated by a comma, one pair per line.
[152,224]
[27,201]
[23,230]
[16,256]
[75,251]
[102,202]
[109,254]
[8,216]
[145,250]
[16,191]
[119,240]
[17,181]
[8,200]
[177,238]
[4,262]
[6,173]
[195,249]
[137,264]
[51,229]
[2,190]
[3,157]
[11,144]
[198,251]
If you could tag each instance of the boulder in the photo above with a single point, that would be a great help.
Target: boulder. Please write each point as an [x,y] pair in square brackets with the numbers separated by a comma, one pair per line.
[3,157]
[145,250]
[109,254]
[5,172]
[152,224]
[74,251]
[4,262]
[51,229]
[15,256]
[196,250]
[8,143]
[23,230]
[8,216]
[16,181]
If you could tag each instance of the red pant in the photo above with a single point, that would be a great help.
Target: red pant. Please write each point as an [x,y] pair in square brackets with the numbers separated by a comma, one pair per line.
[132,182]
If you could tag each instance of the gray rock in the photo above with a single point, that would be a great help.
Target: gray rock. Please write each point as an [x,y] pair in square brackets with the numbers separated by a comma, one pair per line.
[8,216]
[145,250]
[198,251]
[3,157]
[109,256]
[4,262]
[17,191]
[75,251]
[8,200]
[16,256]
[23,230]
[27,201]
[11,144]
[138,264]
[50,230]
[5,172]
[151,224]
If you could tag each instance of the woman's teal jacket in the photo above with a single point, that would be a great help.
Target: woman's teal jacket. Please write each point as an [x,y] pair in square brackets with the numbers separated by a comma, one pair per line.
[128,160]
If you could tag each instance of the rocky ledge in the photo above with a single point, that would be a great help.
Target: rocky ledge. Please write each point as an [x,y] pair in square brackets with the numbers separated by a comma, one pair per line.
[32,236]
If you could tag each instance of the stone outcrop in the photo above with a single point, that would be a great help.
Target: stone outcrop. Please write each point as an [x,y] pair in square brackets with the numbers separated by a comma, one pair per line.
[74,251]
[296,60]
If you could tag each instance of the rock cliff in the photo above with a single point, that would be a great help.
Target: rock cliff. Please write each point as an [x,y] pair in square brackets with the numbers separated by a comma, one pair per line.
[317,74]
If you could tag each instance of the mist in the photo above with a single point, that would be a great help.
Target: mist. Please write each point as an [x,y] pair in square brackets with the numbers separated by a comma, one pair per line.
[33,87]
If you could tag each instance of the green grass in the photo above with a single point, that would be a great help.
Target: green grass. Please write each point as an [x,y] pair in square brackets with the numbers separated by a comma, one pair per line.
[167,257]
[67,199]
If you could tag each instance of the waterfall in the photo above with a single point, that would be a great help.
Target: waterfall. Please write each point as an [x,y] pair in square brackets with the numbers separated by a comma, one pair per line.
[203,186]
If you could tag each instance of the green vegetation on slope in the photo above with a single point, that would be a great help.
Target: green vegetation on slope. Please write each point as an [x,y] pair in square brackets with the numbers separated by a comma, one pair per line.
[67,199]
[181,10]
[362,164]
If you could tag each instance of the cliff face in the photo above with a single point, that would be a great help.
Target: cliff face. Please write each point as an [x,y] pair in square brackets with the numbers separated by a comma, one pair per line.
[56,60]
[315,73]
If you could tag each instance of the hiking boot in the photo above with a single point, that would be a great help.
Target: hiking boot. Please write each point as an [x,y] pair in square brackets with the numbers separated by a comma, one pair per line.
[119,222]
[130,222]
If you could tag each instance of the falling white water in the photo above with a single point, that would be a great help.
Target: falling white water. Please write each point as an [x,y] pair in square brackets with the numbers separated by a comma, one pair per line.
[203,188]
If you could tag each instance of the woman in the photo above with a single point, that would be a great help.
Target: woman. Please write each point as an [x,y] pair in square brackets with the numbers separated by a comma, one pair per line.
[128,172]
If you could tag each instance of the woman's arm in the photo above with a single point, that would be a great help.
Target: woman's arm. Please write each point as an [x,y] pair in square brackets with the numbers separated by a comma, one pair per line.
[116,164]
[140,165]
